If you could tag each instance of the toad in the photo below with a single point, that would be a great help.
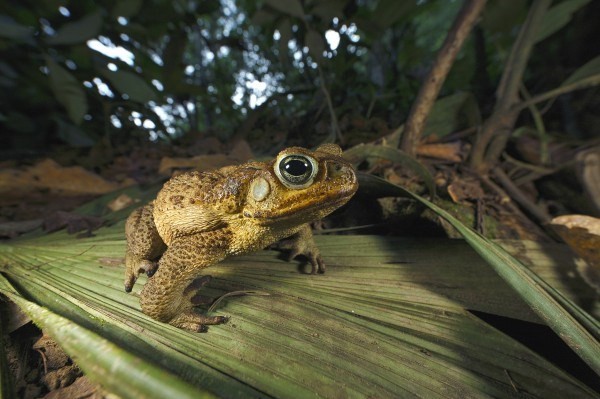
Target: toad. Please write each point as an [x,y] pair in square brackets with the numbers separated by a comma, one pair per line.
[200,218]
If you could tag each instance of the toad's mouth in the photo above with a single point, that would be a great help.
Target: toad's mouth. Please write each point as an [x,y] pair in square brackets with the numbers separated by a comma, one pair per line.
[302,212]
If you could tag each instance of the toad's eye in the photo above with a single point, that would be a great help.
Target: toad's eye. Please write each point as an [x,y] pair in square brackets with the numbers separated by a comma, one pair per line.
[296,171]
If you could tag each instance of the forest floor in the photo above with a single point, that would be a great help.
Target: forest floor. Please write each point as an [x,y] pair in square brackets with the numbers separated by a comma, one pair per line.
[45,192]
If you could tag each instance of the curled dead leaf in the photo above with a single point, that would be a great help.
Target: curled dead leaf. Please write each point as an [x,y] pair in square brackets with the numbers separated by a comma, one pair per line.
[121,202]
[582,234]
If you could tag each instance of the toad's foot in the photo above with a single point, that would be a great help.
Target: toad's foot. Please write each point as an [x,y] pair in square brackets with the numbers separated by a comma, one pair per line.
[189,319]
[302,243]
[196,322]
[135,266]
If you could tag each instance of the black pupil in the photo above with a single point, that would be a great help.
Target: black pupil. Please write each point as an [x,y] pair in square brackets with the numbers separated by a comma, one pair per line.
[297,167]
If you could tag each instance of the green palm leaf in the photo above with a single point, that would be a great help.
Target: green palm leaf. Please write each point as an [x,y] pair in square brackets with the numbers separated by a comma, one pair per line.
[389,319]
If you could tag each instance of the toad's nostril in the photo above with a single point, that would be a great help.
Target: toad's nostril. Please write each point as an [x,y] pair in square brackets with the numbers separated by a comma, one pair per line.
[335,169]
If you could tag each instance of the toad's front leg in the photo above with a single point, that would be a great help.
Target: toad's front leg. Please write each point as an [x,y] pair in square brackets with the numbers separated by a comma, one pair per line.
[303,243]
[170,295]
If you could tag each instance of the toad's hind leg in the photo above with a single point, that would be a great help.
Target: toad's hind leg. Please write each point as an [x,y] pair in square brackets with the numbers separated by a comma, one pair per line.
[170,295]
[144,245]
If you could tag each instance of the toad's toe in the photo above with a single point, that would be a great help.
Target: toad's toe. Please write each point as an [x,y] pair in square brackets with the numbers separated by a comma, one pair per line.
[196,322]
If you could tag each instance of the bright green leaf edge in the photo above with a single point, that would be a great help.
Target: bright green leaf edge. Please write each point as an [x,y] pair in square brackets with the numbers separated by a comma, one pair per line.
[364,151]
[572,324]
[357,326]
[63,273]
[96,356]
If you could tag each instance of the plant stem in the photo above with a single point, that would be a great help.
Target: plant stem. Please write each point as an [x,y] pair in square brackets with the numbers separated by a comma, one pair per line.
[463,24]
[539,127]
[517,195]
[498,127]
[590,81]
[334,121]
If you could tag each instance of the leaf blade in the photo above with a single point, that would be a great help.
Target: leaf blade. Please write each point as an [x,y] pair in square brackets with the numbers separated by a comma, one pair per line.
[557,17]
[589,69]
[77,31]
[95,356]
[13,30]
[68,91]
[132,85]
[564,317]
[290,7]
[313,334]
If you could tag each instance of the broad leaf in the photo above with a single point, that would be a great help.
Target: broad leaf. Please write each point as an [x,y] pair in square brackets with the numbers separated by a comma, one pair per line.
[13,30]
[77,32]
[388,12]
[127,8]
[587,70]
[388,319]
[290,7]
[557,17]
[97,355]
[452,113]
[68,91]
[132,85]
[578,329]
[73,135]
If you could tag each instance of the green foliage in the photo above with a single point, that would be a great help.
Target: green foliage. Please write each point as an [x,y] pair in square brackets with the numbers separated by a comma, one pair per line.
[128,83]
[589,69]
[78,31]
[558,16]
[200,61]
[389,318]
[67,90]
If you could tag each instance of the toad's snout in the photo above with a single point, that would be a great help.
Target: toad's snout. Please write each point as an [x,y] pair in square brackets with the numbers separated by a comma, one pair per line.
[337,169]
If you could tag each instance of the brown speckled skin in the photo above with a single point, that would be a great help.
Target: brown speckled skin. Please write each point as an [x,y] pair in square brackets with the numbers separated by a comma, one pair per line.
[198,219]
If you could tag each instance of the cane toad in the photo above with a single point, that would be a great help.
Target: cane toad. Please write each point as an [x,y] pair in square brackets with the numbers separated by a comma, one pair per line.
[199,219]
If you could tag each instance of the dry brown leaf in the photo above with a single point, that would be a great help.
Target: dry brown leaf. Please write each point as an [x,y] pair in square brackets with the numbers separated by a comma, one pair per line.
[81,388]
[121,202]
[63,377]
[53,355]
[451,152]
[582,234]
[465,189]
[49,175]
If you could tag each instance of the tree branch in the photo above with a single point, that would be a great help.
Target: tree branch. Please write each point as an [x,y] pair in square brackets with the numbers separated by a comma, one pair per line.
[463,24]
